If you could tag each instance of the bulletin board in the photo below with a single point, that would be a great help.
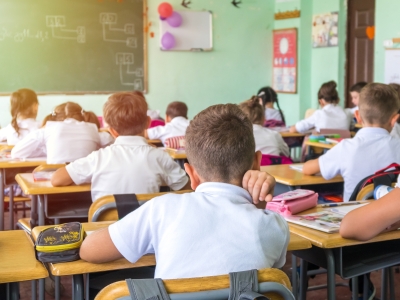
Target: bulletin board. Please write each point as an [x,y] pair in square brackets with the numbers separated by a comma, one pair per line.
[194,34]
[392,66]
[285,60]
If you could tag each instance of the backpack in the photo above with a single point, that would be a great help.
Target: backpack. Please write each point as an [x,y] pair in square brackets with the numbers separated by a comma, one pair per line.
[385,176]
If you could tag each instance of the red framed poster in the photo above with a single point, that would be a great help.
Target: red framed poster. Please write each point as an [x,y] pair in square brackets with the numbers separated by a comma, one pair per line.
[285,60]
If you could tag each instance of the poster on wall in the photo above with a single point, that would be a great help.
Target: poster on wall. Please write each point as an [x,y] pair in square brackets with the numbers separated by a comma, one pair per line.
[325,30]
[285,60]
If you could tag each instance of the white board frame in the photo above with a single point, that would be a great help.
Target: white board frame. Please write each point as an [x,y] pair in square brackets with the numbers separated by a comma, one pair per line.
[195,33]
[392,65]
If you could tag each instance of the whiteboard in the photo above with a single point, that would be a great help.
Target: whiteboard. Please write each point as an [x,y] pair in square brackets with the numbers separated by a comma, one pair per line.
[392,66]
[194,34]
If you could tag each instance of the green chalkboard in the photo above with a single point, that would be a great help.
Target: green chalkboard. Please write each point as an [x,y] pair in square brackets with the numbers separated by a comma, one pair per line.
[72,46]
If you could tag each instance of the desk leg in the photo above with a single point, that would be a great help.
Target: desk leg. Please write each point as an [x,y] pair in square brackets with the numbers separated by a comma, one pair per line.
[33,287]
[2,178]
[57,283]
[303,279]
[41,289]
[77,285]
[41,209]
[330,261]
[354,287]
[14,291]
[384,284]
[391,284]
[295,288]
[11,206]
[34,211]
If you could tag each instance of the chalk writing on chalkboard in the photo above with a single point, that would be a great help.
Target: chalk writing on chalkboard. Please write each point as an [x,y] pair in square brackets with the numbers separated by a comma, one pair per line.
[78,34]
[110,33]
[125,61]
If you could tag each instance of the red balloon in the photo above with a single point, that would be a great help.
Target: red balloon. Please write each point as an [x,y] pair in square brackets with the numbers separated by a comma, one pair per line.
[165,10]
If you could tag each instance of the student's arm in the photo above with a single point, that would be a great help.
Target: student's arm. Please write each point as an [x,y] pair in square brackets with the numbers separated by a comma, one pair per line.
[173,175]
[293,129]
[61,178]
[3,133]
[30,146]
[368,221]
[260,185]
[306,124]
[99,248]
[187,186]
[311,167]
[283,147]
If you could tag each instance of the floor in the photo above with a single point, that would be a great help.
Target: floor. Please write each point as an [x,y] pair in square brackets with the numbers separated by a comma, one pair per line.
[341,292]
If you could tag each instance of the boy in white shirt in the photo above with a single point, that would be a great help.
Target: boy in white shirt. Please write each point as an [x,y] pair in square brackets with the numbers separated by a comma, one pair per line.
[176,123]
[214,230]
[396,128]
[130,165]
[371,149]
[355,91]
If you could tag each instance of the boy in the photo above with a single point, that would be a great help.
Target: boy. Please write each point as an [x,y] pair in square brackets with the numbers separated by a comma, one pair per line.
[176,123]
[355,91]
[371,149]
[214,230]
[130,165]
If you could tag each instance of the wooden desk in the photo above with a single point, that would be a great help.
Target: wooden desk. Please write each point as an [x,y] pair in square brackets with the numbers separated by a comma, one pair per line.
[287,134]
[319,145]
[180,157]
[7,166]
[345,257]
[40,189]
[18,262]
[156,143]
[358,125]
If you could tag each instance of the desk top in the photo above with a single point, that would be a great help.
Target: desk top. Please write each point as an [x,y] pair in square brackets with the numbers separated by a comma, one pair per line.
[358,125]
[319,145]
[154,141]
[31,187]
[32,162]
[285,175]
[176,155]
[287,134]
[17,259]
[334,240]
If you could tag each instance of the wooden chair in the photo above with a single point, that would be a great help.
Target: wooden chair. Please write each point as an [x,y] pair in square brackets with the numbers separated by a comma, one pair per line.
[212,287]
[367,192]
[105,208]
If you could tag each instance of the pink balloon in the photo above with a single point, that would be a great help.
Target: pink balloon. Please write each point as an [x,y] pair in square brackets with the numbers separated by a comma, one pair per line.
[168,41]
[175,20]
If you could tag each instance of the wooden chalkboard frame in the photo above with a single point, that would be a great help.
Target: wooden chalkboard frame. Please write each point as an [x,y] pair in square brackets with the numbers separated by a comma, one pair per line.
[145,66]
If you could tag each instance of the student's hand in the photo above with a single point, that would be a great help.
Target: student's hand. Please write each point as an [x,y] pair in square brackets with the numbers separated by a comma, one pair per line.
[260,185]
[293,129]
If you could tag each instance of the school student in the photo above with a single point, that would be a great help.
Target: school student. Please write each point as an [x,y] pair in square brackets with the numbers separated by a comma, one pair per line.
[330,116]
[372,148]
[396,128]
[176,123]
[214,230]
[268,97]
[24,108]
[130,165]
[67,134]
[267,141]
[355,94]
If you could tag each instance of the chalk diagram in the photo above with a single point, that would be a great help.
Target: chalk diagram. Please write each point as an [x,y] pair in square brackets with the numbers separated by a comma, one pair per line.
[125,61]
[109,20]
[57,24]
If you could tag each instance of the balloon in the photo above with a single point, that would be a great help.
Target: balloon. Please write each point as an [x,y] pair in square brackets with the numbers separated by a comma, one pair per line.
[165,10]
[175,20]
[168,41]
[162,18]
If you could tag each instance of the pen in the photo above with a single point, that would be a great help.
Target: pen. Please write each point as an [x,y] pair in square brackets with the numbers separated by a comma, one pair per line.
[339,204]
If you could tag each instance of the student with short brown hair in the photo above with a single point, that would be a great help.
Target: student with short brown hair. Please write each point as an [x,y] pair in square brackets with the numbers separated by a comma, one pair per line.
[355,91]
[176,123]
[130,165]
[214,230]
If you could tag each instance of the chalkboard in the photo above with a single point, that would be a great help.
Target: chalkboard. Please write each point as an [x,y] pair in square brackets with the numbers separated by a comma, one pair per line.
[72,46]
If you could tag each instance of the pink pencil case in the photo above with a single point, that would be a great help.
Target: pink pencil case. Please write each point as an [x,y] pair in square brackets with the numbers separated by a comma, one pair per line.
[293,202]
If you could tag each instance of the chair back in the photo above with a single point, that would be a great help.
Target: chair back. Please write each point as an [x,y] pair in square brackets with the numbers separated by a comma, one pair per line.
[105,208]
[154,123]
[274,283]
[176,142]
[267,160]
[344,134]
[309,112]
[367,192]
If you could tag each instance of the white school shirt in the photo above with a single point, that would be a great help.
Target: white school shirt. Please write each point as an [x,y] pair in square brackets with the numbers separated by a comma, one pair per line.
[353,110]
[272,114]
[26,126]
[212,231]
[61,142]
[329,117]
[370,150]
[177,127]
[395,131]
[130,165]
[269,141]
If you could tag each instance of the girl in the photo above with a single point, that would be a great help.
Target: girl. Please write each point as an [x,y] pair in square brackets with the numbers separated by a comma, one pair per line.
[330,116]
[67,134]
[267,141]
[24,107]
[267,98]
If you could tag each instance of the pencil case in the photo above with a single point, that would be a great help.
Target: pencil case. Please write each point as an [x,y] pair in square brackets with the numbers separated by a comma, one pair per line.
[59,243]
[293,202]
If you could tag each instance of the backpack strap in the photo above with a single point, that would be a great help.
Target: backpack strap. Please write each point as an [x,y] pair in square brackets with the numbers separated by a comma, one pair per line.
[126,203]
[147,289]
[383,180]
[244,286]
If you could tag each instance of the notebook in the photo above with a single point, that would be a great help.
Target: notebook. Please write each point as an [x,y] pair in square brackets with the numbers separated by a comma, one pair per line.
[326,221]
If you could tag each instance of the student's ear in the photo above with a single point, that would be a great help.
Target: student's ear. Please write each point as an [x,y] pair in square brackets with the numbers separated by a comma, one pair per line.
[321,102]
[393,120]
[195,179]
[358,117]
[167,119]
[113,132]
[257,161]
[148,122]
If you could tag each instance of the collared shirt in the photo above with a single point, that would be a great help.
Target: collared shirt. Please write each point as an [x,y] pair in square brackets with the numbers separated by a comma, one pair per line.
[370,150]
[26,126]
[395,131]
[61,141]
[331,116]
[177,127]
[213,231]
[272,114]
[130,165]
[269,141]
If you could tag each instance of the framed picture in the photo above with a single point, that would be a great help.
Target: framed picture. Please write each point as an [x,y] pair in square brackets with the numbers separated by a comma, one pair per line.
[325,30]
[285,60]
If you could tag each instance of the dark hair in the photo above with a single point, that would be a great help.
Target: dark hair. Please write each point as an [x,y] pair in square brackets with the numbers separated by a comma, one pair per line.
[358,86]
[397,88]
[21,102]
[378,103]
[177,109]
[219,143]
[328,92]
[268,95]
[253,110]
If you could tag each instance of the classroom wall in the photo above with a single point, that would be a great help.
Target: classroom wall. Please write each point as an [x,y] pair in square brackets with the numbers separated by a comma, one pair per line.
[237,67]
